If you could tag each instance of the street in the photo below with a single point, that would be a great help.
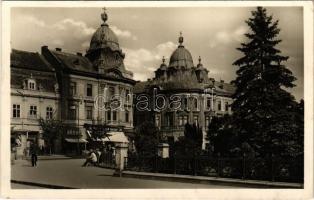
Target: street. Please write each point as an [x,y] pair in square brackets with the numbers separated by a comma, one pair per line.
[70,173]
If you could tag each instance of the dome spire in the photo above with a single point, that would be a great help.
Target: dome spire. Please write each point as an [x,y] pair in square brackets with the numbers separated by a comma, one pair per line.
[180,39]
[163,59]
[104,16]
[199,60]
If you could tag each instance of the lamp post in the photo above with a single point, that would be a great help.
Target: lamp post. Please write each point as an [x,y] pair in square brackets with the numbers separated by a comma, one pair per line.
[78,124]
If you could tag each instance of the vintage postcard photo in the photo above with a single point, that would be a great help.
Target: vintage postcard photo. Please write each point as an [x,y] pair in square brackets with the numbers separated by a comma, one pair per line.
[176,98]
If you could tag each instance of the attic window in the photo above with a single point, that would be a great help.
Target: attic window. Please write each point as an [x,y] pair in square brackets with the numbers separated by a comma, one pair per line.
[29,84]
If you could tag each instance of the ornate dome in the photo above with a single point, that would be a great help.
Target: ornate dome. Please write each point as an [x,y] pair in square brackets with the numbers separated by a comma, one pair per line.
[181,57]
[104,36]
[163,66]
[200,65]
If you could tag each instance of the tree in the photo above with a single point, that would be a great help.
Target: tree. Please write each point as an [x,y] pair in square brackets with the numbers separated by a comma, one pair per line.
[191,143]
[222,139]
[52,130]
[264,112]
[146,139]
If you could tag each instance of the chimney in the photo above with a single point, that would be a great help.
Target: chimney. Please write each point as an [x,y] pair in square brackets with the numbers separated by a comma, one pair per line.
[44,48]
[79,53]
[58,49]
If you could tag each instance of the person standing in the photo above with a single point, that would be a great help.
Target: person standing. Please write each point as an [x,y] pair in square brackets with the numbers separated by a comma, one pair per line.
[34,159]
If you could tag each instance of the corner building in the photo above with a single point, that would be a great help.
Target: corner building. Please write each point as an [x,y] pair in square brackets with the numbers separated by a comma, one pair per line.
[88,86]
[34,95]
[200,97]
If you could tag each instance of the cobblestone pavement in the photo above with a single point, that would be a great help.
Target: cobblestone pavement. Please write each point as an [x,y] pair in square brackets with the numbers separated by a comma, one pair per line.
[69,173]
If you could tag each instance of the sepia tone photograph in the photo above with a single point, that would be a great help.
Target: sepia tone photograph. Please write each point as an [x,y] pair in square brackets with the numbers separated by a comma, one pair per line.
[117,97]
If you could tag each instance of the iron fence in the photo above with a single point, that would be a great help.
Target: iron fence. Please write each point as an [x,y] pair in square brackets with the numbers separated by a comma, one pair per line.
[270,169]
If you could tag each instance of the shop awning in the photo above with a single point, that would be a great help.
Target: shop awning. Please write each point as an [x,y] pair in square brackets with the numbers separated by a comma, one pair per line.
[118,137]
[72,140]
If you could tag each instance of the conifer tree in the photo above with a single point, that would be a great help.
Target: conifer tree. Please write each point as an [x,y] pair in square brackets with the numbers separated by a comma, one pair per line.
[265,114]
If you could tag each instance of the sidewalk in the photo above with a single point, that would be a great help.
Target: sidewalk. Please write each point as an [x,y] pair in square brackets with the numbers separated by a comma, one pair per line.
[212,180]
[68,173]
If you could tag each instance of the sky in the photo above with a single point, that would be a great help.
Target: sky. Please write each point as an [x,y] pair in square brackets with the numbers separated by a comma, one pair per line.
[147,34]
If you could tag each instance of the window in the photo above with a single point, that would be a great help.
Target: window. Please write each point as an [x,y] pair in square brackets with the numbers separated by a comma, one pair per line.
[31,84]
[72,112]
[126,116]
[127,95]
[219,105]
[157,121]
[72,88]
[114,115]
[49,112]
[111,91]
[185,120]
[170,119]
[207,121]
[89,90]
[89,112]
[33,111]
[208,103]
[226,106]
[109,115]
[16,111]
[195,120]
[184,103]
[180,120]
[195,103]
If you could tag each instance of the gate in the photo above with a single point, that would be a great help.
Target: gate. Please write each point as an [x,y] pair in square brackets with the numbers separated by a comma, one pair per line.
[107,160]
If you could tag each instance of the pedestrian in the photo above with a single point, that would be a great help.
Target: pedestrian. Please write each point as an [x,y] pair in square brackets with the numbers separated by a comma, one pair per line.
[98,154]
[91,159]
[34,159]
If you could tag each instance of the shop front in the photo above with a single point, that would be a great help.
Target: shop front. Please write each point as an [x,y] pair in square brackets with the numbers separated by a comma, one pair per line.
[74,142]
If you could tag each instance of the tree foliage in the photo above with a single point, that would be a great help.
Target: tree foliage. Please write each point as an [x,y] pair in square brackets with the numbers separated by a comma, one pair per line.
[52,130]
[191,143]
[265,114]
[223,139]
[146,139]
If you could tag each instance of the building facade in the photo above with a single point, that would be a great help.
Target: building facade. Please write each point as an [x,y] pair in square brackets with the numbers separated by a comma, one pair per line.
[94,91]
[191,96]
[34,95]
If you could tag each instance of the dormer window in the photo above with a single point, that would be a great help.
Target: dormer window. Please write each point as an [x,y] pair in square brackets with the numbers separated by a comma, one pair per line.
[31,84]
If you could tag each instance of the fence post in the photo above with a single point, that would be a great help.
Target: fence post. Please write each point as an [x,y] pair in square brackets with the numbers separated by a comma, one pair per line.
[243,160]
[272,168]
[174,159]
[195,171]
[156,163]
[218,166]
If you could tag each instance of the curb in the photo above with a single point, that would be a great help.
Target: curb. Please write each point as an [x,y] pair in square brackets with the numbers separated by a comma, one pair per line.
[41,185]
[204,179]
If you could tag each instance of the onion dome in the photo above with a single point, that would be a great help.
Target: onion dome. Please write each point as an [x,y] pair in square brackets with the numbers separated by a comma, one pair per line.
[181,57]
[163,66]
[104,36]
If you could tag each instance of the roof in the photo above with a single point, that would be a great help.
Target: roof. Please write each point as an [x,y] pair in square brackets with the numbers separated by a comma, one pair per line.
[73,61]
[117,137]
[185,83]
[104,36]
[140,87]
[224,88]
[181,57]
[25,65]
[29,60]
